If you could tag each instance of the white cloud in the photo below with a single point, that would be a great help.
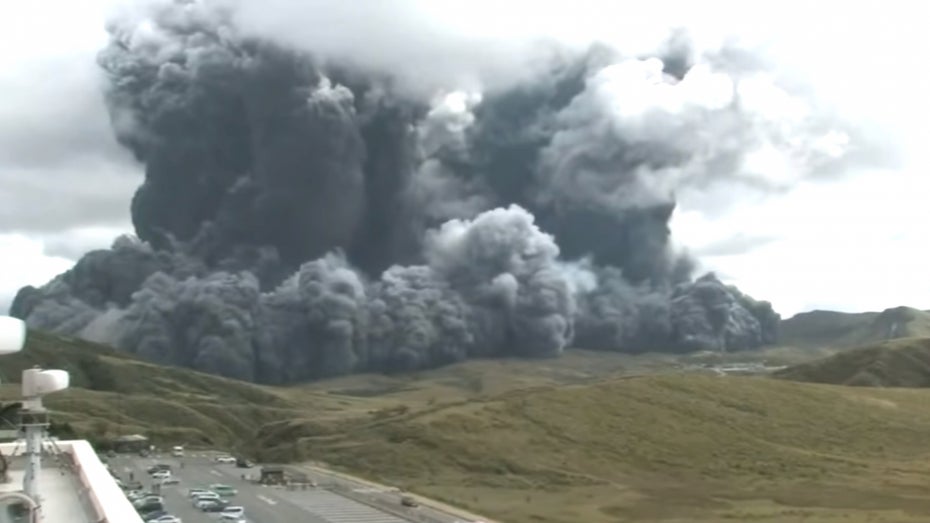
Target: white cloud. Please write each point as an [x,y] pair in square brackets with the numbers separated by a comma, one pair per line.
[35,259]
[59,163]
[852,246]
[66,183]
[24,262]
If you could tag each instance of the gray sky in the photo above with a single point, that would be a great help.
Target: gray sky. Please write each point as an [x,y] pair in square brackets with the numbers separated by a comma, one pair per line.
[854,241]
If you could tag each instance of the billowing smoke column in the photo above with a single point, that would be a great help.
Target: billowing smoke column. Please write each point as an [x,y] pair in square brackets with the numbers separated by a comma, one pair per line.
[301,219]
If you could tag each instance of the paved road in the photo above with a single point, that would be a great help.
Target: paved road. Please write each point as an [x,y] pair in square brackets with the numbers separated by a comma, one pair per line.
[378,495]
[262,504]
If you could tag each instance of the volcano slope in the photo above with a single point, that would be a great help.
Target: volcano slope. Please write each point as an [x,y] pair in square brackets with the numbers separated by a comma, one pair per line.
[575,439]
[895,363]
[674,447]
[840,330]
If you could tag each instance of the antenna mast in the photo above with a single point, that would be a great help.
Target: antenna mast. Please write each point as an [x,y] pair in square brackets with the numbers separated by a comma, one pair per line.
[34,420]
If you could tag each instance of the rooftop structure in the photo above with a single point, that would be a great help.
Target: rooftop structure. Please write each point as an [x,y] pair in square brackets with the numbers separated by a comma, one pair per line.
[47,481]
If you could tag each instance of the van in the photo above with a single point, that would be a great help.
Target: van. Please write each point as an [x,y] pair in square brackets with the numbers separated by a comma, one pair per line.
[177,452]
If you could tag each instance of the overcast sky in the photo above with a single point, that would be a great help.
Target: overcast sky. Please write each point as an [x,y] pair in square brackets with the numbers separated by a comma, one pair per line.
[854,242]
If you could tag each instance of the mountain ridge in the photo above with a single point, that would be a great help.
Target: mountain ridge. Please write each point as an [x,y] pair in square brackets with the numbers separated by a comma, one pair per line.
[841,330]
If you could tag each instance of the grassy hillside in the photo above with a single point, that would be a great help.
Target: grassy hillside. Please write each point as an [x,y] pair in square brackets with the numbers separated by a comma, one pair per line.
[844,330]
[113,393]
[592,437]
[895,363]
[658,448]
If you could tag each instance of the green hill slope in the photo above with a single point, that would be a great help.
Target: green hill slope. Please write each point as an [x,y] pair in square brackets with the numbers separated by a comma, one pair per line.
[658,448]
[895,363]
[844,330]
[113,393]
[554,441]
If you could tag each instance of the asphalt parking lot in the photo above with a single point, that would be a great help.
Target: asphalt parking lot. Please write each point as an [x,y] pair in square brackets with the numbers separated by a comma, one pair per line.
[263,504]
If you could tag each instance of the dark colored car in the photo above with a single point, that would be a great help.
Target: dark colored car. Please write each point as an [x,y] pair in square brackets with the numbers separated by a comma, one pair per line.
[152,514]
[215,506]
[155,468]
[244,463]
[153,506]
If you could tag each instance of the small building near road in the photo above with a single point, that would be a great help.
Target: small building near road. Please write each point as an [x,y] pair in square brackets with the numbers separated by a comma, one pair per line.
[131,443]
[273,475]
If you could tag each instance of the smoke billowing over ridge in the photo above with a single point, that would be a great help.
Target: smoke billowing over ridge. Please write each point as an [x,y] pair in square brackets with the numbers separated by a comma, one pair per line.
[303,218]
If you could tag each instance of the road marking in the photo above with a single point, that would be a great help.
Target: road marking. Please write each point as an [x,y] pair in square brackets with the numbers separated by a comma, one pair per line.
[215,472]
[268,500]
[371,490]
[336,508]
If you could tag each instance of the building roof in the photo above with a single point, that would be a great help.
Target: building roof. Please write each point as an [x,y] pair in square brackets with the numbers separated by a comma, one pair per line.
[60,500]
[73,484]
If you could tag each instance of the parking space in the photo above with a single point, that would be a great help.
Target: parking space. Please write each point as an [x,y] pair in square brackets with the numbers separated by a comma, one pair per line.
[263,504]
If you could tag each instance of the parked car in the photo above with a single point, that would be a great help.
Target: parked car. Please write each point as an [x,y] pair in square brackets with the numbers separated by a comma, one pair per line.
[194,492]
[206,496]
[147,500]
[408,501]
[150,507]
[158,467]
[213,505]
[133,495]
[161,474]
[225,459]
[223,490]
[167,518]
[152,514]
[232,511]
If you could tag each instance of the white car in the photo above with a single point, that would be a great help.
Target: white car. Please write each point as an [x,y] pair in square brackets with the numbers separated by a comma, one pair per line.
[161,474]
[228,518]
[194,492]
[226,459]
[235,512]
[167,518]
[202,499]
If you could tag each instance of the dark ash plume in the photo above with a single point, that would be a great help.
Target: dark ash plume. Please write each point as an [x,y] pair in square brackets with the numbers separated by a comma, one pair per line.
[302,219]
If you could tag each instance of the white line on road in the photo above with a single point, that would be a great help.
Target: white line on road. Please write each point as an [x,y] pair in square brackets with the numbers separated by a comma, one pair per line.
[266,499]
[215,472]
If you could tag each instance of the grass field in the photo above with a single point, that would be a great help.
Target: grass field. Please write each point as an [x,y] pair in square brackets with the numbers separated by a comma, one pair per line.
[589,437]
[895,363]
[659,448]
